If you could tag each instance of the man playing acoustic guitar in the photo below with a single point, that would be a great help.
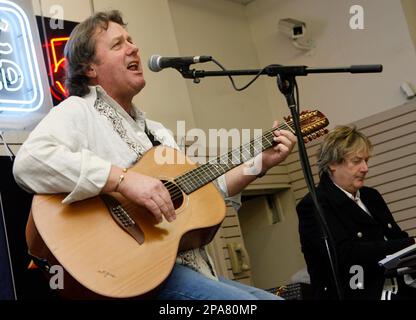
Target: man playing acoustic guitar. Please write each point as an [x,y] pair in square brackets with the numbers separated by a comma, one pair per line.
[86,147]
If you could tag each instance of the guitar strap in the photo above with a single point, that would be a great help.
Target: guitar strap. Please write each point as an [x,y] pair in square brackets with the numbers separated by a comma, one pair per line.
[151,136]
[105,109]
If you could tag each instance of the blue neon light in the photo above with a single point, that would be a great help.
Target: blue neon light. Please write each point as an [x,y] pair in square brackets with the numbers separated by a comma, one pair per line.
[20,81]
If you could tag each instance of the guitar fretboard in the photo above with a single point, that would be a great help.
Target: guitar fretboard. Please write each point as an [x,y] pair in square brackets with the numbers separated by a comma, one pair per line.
[200,176]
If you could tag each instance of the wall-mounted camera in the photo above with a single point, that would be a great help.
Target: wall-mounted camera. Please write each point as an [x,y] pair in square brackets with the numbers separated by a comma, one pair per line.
[296,30]
[292,27]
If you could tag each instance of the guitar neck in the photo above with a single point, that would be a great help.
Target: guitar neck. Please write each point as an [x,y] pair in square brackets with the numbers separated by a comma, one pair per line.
[200,176]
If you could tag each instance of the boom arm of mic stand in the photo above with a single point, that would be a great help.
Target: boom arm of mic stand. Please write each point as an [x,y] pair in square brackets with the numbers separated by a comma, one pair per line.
[276,69]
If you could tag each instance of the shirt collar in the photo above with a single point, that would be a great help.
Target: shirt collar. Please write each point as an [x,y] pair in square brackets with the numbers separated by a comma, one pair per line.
[350,195]
[99,92]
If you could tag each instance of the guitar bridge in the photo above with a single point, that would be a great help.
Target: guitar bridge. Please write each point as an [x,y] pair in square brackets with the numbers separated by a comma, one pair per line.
[122,218]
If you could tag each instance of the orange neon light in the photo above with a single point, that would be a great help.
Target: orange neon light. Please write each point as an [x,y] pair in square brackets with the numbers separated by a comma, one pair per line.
[61,87]
[55,60]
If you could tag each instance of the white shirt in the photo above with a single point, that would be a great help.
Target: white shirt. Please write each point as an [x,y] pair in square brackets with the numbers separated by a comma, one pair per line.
[73,147]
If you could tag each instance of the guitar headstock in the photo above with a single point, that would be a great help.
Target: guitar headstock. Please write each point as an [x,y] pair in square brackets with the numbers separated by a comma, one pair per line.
[312,124]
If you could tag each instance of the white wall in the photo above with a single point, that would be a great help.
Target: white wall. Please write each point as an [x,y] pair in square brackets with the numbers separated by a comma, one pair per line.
[220,29]
[344,98]
[247,37]
[409,9]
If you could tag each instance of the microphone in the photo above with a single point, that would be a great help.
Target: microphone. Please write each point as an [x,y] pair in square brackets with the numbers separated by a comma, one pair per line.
[157,63]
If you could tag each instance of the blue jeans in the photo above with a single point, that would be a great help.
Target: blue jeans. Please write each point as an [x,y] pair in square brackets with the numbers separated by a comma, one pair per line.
[187,284]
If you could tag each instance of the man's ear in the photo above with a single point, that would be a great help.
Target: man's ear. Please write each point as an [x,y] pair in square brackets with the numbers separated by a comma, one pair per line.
[91,73]
[332,166]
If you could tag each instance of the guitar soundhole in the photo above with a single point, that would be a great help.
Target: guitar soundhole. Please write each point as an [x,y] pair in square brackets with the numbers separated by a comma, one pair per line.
[175,192]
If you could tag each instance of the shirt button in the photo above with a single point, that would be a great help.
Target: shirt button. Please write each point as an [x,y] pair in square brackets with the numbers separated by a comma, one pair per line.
[359,235]
[389,225]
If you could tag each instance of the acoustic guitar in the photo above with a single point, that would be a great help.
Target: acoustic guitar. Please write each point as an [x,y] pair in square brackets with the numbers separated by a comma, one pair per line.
[116,249]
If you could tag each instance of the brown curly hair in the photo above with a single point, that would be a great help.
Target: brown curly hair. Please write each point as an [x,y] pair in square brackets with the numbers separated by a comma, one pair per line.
[80,49]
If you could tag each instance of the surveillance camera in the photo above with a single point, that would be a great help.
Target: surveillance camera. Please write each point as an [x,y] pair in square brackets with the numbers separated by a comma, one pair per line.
[292,28]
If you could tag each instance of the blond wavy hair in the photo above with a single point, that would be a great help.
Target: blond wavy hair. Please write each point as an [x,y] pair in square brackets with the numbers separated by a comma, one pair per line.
[339,143]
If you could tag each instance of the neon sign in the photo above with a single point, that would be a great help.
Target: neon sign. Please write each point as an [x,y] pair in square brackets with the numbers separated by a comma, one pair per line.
[20,81]
[58,64]
[53,43]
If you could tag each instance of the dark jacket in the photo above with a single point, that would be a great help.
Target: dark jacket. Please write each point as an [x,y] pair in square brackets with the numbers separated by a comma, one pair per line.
[358,237]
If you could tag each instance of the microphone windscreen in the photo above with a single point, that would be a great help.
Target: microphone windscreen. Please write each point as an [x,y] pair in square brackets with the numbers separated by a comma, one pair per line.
[153,63]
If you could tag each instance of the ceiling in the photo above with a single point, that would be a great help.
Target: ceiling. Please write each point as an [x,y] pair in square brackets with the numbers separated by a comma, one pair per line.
[243,2]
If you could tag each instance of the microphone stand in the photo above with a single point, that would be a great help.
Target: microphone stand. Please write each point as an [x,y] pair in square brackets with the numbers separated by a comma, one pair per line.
[285,76]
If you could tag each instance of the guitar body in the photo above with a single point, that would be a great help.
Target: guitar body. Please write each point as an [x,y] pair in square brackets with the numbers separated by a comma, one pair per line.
[102,257]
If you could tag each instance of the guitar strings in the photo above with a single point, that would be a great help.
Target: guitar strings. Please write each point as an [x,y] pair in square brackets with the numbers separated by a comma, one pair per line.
[199,172]
[174,188]
[229,155]
[202,175]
